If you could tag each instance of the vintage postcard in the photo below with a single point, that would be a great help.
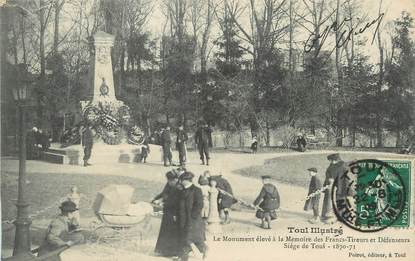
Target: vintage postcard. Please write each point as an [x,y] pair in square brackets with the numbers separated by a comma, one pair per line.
[223,130]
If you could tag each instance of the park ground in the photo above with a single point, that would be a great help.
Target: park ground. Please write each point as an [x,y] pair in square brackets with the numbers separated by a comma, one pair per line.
[47,183]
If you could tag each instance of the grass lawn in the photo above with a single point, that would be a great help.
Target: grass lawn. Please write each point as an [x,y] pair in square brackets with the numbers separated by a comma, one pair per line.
[46,188]
[293,169]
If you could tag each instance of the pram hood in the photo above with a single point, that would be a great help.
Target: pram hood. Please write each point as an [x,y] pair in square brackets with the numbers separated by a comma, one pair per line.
[113,200]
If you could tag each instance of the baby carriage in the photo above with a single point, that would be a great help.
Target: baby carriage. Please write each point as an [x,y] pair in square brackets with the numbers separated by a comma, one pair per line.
[119,219]
[113,207]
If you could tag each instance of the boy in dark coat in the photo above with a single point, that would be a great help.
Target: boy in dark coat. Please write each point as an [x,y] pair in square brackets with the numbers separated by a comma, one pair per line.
[191,224]
[268,200]
[313,202]
[168,240]
[225,202]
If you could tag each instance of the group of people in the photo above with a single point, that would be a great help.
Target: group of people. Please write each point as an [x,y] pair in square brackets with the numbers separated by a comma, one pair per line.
[37,140]
[203,140]
[334,172]
[188,208]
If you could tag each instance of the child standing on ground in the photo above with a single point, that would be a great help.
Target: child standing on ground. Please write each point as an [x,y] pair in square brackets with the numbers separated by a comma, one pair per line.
[313,202]
[269,201]
[204,186]
[75,197]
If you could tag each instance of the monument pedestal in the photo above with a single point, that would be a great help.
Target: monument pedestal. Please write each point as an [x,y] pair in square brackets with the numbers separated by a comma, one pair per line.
[102,154]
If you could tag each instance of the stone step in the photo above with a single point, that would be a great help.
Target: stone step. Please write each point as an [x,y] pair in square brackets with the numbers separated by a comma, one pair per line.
[59,158]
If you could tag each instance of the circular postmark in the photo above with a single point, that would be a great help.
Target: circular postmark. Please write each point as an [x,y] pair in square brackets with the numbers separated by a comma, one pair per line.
[369,196]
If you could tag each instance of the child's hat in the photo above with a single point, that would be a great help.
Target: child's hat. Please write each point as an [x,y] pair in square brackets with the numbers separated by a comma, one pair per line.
[203,180]
[334,156]
[312,169]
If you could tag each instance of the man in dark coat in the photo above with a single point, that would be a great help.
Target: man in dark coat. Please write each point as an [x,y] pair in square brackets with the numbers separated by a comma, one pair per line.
[334,172]
[166,144]
[268,200]
[61,232]
[225,202]
[313,202]
[169,238]
[192,226]
[87,144]
[203,139]
[181,144]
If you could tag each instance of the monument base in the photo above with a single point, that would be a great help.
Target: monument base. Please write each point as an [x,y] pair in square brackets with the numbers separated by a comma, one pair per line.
[101,154]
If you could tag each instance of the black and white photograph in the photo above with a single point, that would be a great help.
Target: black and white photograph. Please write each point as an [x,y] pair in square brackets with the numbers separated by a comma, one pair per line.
[222,130]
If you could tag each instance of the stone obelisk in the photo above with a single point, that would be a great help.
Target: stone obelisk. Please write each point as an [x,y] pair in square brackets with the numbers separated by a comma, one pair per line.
[103,81]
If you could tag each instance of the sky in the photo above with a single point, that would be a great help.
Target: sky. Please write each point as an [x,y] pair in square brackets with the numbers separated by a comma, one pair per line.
[391,8]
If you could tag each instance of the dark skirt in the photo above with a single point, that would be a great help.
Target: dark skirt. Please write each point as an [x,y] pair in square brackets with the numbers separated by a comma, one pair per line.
[168,241]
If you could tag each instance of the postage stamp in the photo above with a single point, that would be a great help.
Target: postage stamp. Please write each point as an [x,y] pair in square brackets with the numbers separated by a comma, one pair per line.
[373,195]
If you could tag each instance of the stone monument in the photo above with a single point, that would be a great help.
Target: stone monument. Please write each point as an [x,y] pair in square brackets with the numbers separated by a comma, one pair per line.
[109,116]
[103,81]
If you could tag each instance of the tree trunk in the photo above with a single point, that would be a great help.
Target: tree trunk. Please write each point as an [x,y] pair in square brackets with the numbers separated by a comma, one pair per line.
[339,136]
[379,89]
[42,80]
[354,135]
[267,133]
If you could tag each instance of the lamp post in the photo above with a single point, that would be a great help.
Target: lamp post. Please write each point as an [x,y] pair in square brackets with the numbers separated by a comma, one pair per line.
[22,223]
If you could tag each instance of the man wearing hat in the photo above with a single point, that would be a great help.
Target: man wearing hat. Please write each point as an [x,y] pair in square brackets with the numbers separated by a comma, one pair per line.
[60,232]
[87,144]
[203,139]
[191,224]
[168,239]
[181,144]
[268,200]
[166,144]
[313,202]
[334,171]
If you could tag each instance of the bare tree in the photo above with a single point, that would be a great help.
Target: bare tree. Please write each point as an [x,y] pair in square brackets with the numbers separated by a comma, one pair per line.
[267,26]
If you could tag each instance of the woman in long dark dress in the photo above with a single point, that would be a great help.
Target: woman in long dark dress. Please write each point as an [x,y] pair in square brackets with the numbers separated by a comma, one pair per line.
[168,240]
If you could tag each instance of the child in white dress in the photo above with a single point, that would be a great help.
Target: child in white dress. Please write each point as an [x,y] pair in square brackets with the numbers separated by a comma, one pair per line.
[204,186]
[75,197]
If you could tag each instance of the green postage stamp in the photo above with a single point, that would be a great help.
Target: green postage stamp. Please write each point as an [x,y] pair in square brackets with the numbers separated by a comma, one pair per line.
[373,195]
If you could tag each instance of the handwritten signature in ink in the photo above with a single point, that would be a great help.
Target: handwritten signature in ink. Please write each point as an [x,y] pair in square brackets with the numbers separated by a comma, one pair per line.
[317,41]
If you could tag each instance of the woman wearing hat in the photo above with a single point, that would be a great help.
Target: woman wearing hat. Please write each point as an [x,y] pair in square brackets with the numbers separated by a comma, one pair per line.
[60,232]
[168,240]
[268,200]
[334,171]
[192,226]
